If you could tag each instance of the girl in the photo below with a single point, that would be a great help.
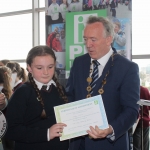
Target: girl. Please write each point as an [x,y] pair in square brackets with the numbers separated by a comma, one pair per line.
[53,10]
[5,88]
[30,114]
[56,44]
[64,9]
[19,74]
[5,94]
[75,5]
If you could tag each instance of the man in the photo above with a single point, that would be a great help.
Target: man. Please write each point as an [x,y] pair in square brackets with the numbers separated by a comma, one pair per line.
[56,44]
[51,36]
[63,39]
[118,84]
[113,7]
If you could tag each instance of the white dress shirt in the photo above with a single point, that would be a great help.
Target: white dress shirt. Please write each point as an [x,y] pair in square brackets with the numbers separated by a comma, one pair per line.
[103,61]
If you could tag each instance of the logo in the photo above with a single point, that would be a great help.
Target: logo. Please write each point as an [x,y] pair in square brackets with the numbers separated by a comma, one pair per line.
[79,25]
[3,125]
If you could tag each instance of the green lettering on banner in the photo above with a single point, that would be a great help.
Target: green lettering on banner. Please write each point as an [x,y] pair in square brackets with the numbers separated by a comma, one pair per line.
[75,23]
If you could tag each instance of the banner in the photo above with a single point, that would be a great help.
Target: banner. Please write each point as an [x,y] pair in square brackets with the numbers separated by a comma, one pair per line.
[65,22]
[75,24]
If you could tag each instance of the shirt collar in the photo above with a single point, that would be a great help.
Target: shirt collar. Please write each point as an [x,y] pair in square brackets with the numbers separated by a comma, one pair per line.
[18,82]
[39,84]
[105,58]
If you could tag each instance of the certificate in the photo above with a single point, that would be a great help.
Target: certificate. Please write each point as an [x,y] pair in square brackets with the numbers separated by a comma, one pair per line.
[80,115]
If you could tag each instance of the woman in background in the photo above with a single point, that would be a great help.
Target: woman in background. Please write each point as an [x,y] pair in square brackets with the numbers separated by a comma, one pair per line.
[75,6]
[19,74]
[5,94]
[64,9]
[5,86]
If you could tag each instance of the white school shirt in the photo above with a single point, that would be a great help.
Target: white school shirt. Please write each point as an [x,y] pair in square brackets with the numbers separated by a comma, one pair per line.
[63,10]
[53,11]
[39,85]
[75,6]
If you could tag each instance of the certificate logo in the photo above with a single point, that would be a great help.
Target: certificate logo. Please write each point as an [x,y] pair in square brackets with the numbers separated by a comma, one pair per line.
[3,125]
[96,102]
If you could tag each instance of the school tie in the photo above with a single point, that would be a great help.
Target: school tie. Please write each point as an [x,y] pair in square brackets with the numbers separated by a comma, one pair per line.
[44,87]
[95,75]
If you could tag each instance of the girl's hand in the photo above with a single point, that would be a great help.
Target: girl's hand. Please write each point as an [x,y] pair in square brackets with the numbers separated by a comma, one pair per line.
[56,130]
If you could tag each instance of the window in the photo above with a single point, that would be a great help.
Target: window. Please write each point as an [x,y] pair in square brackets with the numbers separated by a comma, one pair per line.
[14,5]
[42,29]
[16,36]
[42,3]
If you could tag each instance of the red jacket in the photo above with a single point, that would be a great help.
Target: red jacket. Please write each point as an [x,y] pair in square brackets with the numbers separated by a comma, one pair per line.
[50,38]
[56,45]
[144,94]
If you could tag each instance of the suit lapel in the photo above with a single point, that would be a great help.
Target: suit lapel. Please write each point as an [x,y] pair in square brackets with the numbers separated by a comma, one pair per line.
[108,67]
[86,69]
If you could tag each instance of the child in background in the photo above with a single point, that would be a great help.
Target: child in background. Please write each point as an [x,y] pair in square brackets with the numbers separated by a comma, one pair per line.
[56,44]
[53,10]
[64,9]
[19,74]
[5,94]
[30,114]
[74,6]
[51,36]
[4,62]
[5,87]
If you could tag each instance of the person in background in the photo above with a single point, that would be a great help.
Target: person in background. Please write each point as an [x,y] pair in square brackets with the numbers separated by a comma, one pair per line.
[75,6]
[119,41]
[113,7]
[19,74]
[51,36]
[56,44]
[63,39]
[96,4]
[5,88]
[53,10]
[5,94]
[30,113]
[1,64]
[4,62]
[116,79]
[64,9]
[144,94]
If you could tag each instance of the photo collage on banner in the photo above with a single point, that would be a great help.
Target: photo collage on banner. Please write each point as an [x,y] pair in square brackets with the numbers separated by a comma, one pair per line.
[65,22]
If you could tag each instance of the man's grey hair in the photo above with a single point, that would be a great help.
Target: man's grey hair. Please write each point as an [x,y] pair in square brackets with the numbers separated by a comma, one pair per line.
[108,25]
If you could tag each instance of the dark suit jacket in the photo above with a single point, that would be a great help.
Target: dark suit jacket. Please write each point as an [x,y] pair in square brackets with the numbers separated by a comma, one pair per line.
[121,93]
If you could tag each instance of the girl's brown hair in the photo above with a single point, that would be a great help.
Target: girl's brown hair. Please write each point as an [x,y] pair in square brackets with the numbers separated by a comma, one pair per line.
[43,51]
[16,68]
[5,78]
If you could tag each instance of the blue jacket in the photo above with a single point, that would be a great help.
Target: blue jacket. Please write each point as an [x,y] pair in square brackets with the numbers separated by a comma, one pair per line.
[121,93]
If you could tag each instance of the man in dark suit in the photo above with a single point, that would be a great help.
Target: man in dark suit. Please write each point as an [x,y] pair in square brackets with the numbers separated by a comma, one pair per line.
[118,83]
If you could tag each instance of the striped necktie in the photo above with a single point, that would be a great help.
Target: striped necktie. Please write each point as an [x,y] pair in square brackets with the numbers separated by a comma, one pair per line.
[95,74]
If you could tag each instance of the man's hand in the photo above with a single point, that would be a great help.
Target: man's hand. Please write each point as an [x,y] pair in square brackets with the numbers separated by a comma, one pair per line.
[99,133]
